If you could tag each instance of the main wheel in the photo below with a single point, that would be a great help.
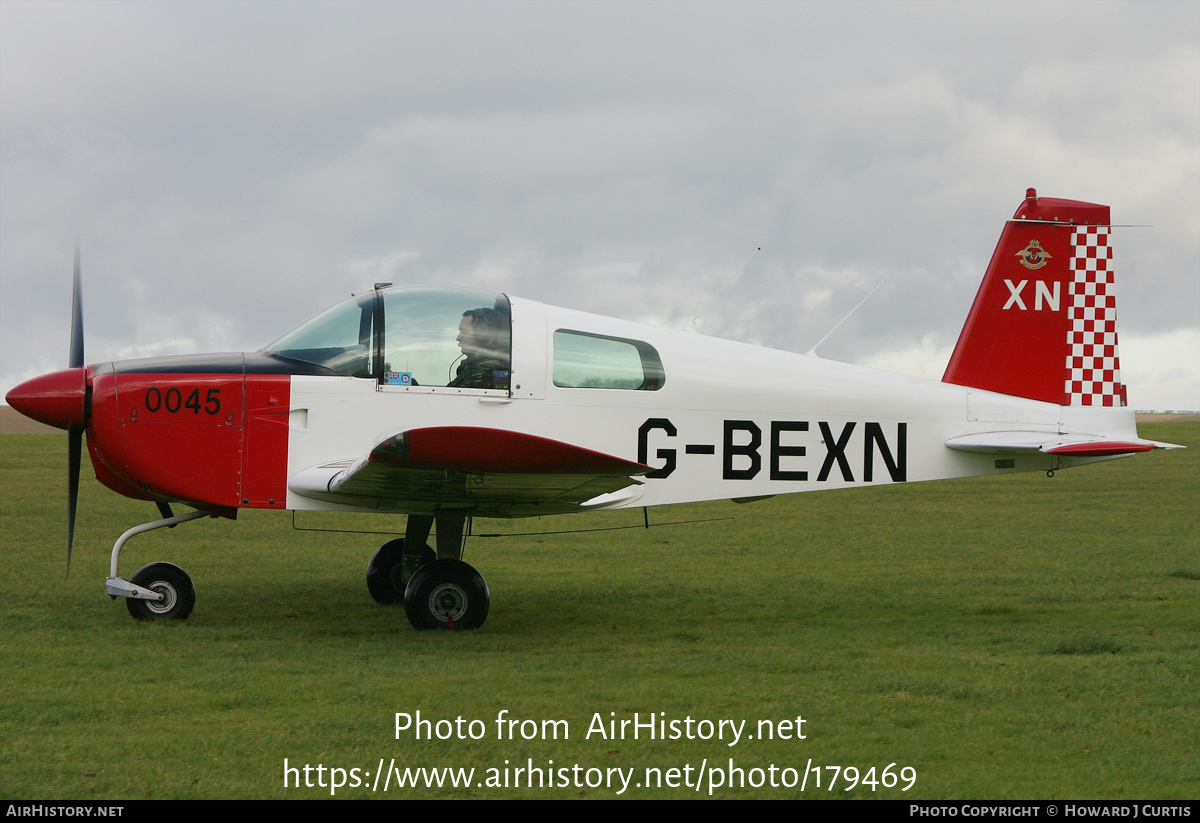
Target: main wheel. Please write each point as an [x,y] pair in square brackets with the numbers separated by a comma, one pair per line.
[385,573]
[447,594]
[173,583]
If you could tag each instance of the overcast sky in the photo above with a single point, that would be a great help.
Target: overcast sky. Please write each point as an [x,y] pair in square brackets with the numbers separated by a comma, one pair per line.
[229,169]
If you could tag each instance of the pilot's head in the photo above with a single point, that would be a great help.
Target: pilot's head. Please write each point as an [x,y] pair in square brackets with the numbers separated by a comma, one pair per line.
[482,333]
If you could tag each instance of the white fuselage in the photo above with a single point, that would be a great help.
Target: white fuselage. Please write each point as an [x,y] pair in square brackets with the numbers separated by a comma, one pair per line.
[730,420]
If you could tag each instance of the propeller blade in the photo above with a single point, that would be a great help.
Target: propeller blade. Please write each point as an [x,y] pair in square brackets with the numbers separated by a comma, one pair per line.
[74,452]
[76,318]
[75,430]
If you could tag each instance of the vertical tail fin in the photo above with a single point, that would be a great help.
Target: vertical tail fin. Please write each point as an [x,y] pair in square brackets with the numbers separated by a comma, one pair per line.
[1043,324]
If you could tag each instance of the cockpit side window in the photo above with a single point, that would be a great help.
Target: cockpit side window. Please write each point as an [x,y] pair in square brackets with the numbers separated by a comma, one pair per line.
[458,338]
[592,361]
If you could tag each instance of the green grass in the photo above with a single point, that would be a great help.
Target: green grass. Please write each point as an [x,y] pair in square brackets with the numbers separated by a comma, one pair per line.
[1011,637]
[1089,644]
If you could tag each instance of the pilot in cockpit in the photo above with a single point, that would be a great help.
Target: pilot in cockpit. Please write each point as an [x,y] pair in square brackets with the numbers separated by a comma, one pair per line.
[484,339]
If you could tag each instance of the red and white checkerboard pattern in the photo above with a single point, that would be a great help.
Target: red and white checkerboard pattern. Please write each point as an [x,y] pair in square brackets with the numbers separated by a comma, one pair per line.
[1093,369]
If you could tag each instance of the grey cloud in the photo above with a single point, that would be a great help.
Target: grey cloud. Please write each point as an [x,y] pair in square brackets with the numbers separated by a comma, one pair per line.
[232,168]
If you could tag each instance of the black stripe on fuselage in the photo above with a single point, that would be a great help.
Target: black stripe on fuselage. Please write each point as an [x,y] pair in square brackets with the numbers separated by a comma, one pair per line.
[255,362]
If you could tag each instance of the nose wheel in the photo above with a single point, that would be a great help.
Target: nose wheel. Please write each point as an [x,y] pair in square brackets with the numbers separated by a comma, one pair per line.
[174,587]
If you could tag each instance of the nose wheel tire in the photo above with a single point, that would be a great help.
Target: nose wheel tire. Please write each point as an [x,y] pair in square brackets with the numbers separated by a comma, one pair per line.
[447,594]
[173,583]
[386,576]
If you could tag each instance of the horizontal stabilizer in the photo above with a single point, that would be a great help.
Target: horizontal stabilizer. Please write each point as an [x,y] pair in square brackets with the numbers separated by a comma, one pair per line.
[1083,445]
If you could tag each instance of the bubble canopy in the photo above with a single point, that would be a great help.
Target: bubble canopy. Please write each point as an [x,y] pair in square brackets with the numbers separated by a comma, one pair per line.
[403,335]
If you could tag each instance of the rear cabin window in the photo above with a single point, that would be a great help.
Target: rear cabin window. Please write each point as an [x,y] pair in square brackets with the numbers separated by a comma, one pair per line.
[593,361]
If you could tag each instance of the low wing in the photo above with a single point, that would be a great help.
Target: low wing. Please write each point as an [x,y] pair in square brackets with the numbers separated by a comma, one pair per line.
[1082,445]
[489,472]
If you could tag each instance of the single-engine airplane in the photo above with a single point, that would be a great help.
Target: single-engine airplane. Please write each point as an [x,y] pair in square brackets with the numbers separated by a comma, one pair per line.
[370,406]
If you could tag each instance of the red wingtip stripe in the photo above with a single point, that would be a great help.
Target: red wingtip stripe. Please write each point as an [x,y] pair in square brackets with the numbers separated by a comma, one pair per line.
[1102,449]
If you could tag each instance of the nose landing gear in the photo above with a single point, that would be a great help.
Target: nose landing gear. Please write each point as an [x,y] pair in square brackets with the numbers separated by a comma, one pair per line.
[160,591]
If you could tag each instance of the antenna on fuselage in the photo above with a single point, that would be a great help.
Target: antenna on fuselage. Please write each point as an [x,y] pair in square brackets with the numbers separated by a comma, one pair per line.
[813,350]
[691,326]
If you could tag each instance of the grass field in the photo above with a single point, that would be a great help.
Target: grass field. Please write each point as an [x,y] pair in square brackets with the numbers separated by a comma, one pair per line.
[1013,637]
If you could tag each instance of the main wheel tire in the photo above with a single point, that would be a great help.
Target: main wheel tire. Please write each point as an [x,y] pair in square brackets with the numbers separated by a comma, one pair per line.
[447,594]
[173,583]
[385,572]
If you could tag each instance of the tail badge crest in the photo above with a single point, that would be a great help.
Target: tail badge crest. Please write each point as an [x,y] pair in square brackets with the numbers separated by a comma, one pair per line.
[1033,256]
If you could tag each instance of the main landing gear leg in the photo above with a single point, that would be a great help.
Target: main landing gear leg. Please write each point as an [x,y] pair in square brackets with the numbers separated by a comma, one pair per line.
[447,593]
[450,540]
[396,561]
[418,553]
[159,591]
